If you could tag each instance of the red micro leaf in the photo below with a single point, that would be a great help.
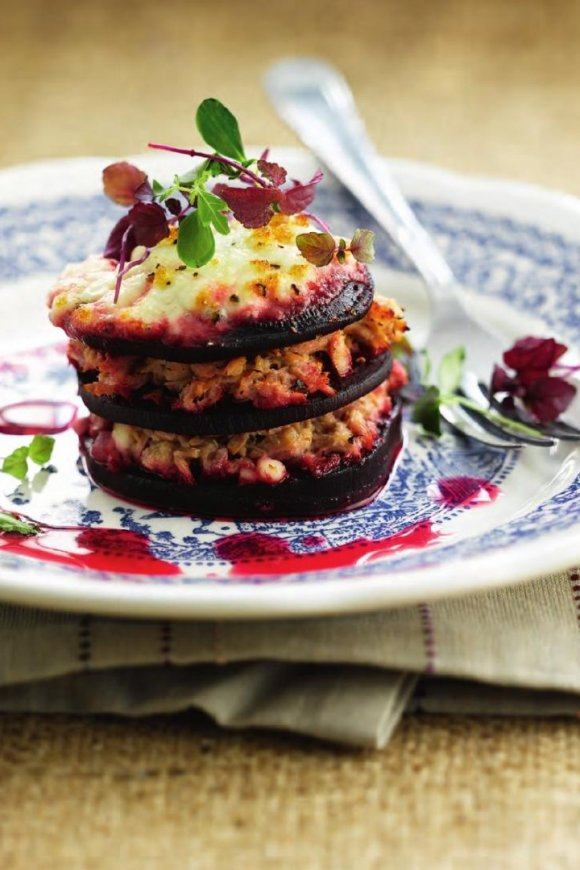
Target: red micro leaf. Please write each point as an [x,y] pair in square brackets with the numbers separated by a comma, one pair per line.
[251,206]
[548,397]
[362,246]
[149,223]
[299,196]
[536,354]
[501,382]
[272,171]
[544,396]
[317,248]
[173,205]
[121,181]
[115,241]
[144,192]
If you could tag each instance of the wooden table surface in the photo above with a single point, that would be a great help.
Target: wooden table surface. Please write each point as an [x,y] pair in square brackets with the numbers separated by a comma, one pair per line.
[485,87]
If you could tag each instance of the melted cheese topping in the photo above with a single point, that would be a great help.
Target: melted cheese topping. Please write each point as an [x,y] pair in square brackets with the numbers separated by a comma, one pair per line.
[253,271]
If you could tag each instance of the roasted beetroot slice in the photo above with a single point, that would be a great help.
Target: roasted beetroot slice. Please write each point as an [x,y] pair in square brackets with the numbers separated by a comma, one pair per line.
[229,418]
[349,305]
[347,487]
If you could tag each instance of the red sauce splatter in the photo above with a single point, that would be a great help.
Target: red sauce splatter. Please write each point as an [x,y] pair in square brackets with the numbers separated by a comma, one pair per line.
[259,553]
[313,540]
[37,417]
[94,549]
[454,492]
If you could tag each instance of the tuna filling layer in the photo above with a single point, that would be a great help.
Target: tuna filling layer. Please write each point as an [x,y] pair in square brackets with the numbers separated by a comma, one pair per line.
[313,447]
[288,376]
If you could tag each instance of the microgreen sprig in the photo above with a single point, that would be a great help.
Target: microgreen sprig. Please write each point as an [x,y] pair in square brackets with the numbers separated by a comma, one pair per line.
[262,190]
[13,525]
[443,392]
[321,248]
[39,451]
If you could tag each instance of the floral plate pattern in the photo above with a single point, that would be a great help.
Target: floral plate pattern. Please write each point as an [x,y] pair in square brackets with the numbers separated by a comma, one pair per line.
[525,269]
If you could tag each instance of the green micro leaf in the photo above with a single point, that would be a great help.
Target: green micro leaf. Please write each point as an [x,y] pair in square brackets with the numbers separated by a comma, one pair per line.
[157,187]
[426,411]
[8,523]
[40,449]
[195,242]
[450,371]
[16,463]
[211,211]
[219,129]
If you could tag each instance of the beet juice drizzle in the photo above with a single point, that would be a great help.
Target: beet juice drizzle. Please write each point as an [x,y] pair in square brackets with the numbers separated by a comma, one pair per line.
[119,550]
[76,546]
[96,549]
[257,553]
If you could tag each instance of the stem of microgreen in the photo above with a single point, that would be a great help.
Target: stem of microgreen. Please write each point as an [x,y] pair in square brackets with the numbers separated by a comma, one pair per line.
[124,267]
[215,158]
[313,217]
[121,264]
[571,370]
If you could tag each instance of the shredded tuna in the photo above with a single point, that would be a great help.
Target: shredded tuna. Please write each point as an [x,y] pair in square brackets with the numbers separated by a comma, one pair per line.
[313,446]
[287,376]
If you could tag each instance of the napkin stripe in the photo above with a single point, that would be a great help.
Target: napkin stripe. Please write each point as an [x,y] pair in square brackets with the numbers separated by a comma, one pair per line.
[166,642]
[85,641]
[428,632]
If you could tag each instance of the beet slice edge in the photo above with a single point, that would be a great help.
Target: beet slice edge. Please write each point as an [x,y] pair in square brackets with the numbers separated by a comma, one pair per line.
[229,417]
[346,487]
[350,304]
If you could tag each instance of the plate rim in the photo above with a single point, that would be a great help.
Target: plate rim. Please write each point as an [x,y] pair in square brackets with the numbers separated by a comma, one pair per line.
[239,600]
[510,565]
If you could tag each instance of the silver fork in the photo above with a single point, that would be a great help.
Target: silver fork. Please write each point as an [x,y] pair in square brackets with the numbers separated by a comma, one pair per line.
[317,103]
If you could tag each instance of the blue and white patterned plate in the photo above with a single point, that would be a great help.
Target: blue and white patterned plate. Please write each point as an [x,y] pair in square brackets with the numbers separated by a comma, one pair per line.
[427,535]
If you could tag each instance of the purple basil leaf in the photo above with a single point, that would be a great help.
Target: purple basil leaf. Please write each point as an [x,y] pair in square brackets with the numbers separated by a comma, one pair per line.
[501,382]
[173,205]
[548,397]
[251,206]
[272,171]
[149,223]
[299,196]
[538,354]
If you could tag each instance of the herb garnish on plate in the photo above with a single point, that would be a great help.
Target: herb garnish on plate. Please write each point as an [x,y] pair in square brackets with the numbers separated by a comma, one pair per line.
[537,393]
[38,451]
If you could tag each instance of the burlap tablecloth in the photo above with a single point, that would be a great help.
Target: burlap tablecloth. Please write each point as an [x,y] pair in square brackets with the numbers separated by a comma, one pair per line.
[475,85]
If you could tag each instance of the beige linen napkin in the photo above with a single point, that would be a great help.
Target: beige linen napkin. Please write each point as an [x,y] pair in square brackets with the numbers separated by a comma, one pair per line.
[349,679]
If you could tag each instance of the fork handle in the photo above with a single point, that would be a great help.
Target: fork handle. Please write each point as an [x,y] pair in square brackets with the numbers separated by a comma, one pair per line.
[315,100]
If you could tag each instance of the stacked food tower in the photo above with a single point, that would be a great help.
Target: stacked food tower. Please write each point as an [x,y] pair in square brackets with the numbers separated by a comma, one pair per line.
[252,377]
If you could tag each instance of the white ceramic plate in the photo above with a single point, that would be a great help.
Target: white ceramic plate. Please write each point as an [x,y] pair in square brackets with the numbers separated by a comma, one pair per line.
[428,535]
